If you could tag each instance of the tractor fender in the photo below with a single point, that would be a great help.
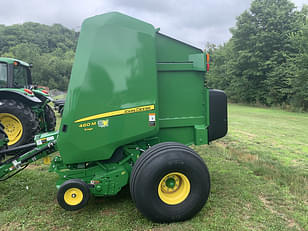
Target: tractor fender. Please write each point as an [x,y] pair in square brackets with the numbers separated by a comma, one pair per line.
[43,97]
[20,96]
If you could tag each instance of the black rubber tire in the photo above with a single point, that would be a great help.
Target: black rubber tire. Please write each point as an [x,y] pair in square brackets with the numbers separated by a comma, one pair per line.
[29,121]
[153,165]
[61,111]
[74,183]
[50,118]
[3,137]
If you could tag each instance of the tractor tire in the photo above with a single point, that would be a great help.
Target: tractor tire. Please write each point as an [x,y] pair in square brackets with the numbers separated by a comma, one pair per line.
[73,194]
[61,111]
[50,118]
[20,123]
[3,142]
[169,182]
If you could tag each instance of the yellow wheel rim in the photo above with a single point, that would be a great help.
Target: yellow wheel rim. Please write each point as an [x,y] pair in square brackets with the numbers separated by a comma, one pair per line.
[73,196]
[174,188]
[12,127]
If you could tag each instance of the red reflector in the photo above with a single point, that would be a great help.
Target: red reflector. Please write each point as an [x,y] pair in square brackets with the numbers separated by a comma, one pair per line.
[45,92]
[28,91]
[207,62]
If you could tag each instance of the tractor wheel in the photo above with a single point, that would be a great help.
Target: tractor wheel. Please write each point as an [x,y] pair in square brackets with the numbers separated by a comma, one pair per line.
[169,182]
[73,194]
[50,118]
[20,123]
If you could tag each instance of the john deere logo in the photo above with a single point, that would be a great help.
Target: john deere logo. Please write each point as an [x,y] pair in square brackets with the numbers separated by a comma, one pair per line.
[103,123]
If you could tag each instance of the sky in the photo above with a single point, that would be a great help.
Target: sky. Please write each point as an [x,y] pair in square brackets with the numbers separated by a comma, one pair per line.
[196,22]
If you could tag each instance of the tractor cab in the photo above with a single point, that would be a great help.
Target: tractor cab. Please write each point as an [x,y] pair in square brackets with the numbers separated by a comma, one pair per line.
[14,74]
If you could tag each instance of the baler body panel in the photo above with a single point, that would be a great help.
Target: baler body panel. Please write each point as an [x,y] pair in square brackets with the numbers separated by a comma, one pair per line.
[171,50]
[183,99]
[182,107]
[112,90]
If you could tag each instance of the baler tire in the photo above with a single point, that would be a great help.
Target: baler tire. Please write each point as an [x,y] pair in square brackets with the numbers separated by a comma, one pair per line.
[149,187]
[50,118]
[22,117]
[73,195]
[144,156]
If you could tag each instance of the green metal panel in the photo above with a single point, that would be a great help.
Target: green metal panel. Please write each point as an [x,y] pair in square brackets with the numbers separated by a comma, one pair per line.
[171,50]
[183,99]
[112,90]
[181,95]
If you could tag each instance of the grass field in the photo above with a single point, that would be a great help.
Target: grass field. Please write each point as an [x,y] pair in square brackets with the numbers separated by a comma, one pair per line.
[259,174]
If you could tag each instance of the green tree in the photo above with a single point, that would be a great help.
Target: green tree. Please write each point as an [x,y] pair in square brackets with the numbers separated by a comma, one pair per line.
[49,48]
[220,74]
[300,81]
[261,48]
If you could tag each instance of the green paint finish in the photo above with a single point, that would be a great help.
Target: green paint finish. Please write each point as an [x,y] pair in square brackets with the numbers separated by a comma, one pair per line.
[201,137]
[46,138]
[123,63]
[21,91]
[172,50]
[110,180]
[170,182]
[183,105]
[114,69]
[183,99]
[12,167]
[40,92]
[103,178]
[12,60]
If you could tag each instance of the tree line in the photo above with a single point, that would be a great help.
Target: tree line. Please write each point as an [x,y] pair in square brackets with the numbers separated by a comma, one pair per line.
[50,49]
[266,60]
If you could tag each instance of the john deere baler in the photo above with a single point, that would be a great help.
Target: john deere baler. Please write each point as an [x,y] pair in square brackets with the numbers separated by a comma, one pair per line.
[136,98]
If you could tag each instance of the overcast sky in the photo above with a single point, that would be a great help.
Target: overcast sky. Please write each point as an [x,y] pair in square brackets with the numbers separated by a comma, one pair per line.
[194,21]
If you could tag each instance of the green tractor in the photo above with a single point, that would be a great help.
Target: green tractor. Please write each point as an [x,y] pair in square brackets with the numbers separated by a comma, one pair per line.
[24,109]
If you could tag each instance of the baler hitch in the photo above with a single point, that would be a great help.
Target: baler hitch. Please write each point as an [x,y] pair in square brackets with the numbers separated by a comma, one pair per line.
[23,156]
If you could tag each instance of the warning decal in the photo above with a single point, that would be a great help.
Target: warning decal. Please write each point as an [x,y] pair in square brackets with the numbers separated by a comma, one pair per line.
[152,119]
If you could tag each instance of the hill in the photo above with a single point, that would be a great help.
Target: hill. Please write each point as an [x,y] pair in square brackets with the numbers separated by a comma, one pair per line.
[50,49]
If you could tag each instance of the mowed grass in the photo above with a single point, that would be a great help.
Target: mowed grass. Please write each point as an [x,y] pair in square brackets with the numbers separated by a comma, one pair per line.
[259,180]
